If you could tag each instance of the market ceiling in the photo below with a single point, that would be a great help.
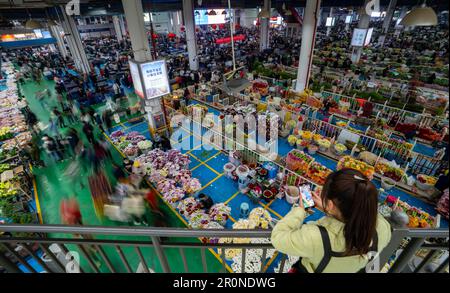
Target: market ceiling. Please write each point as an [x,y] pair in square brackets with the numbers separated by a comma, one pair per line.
[21,9]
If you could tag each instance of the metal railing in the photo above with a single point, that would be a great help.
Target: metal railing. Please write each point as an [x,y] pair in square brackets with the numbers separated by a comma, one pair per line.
[386,112]
[131,249]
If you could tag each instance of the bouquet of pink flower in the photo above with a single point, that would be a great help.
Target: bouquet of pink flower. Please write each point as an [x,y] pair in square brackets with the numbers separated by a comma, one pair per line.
[117,134]
[188,206]
[131,151]
[192,186]
[183,176]
[220,213]
[174,196]
[172,169]
[165,186]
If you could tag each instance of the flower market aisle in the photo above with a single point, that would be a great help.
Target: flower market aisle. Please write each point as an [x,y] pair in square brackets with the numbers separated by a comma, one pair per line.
[52,186]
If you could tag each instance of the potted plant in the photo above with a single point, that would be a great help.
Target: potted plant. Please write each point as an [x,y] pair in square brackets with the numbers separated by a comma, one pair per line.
[312,149]
[292,140]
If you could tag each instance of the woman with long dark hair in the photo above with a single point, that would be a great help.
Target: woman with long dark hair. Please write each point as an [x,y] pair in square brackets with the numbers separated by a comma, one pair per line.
[344,240]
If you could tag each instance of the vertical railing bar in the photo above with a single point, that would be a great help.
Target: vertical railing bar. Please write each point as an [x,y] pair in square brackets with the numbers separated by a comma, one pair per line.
[141,257]
[282,263]
[105,258]
[19,258]
[66,252]
[409,251]
[204,264]
[428,258]
[244,254]
[52,256]
[183,258]
[222,256]
[38,259]
[442,267]
[263,259]
[160,253]
[88,258]
[123,259]
[9,265]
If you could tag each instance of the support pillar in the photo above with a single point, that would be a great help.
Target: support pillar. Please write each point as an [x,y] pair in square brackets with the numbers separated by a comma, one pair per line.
[264,29]
[177,19]
[56,33]
[76,47]
[117,28]
[330,15]
[309,28]
[387,21]
[134,15]
[123,29]
[188,13]
[364,21]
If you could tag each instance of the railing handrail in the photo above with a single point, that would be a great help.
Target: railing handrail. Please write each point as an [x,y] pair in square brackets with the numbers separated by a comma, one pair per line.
[135,231]
[184,232]
[438,118]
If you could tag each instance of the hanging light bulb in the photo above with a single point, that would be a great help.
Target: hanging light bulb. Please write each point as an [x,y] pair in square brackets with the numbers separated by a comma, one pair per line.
[51,22]
[33,24]
[212,12]
[264,14]
[420,16]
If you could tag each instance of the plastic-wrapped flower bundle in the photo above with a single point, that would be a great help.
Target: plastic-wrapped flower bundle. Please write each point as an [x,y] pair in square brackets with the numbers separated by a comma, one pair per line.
[192,186]
[229,253]
[155,176]
[144,145]
[172,169]
[165,186]
[220,213]
[135,137]
[188,206]
[211,225]
[131,151]
[260,217]
[183,176]
[199,219]
[116,134]
[177,157]
[174,196]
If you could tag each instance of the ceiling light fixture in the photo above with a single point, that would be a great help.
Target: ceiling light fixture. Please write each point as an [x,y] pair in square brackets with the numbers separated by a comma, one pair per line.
[212,12]
[420,16]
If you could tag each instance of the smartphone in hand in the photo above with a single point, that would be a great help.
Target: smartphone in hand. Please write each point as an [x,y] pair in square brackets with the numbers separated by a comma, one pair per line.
[307,198]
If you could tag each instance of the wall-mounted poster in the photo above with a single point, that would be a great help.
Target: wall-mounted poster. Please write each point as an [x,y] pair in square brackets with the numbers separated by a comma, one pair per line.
[156,80]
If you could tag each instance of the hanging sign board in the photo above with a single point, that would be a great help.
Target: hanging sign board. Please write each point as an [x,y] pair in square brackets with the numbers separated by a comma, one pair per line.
[136,76]
[150,79]
[368,37]
[359,37]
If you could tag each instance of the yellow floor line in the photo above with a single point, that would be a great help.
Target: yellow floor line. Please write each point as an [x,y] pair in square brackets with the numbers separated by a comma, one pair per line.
[211,182]
[213,157]
[232,219]
[196,167]
[36,198]
[212,169]
[232,197]
[195,148]
[266,267]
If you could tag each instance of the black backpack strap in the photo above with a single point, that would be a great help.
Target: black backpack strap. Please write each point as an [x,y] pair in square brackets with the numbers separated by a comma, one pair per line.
[327,252]
[374,246]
